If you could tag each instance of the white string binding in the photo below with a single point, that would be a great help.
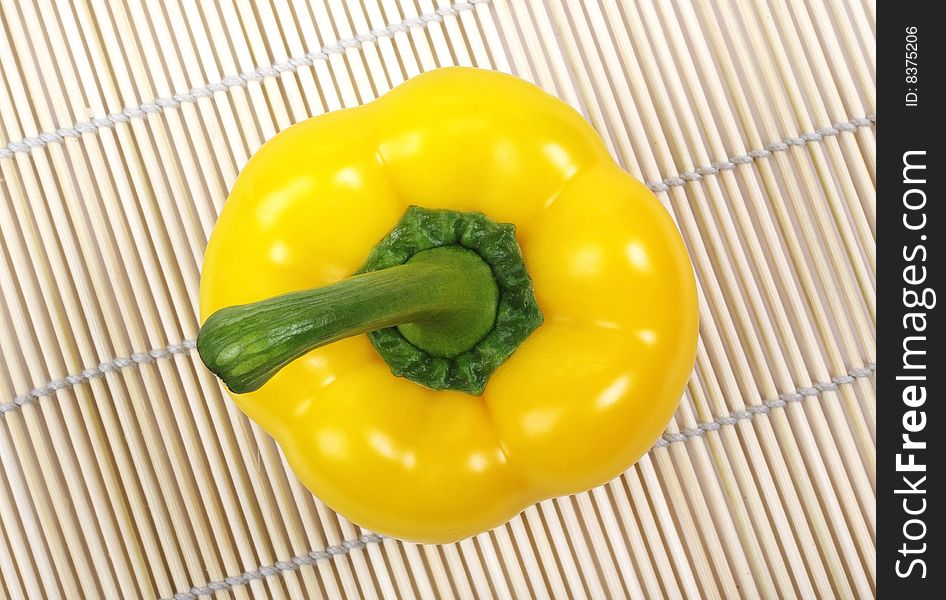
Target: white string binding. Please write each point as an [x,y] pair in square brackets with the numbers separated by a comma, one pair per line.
[810,137]
[296,562]
[277,568]
[135,360]
[749,412]
[293,64]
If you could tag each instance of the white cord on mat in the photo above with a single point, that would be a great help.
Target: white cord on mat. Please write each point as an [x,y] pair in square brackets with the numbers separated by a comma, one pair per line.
[760,409]
[295,63]
[754,155]
[278,568]
[136,359]
[191,96]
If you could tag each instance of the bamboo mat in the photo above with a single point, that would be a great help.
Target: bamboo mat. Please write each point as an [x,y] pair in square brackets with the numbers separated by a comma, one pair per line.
[127,473]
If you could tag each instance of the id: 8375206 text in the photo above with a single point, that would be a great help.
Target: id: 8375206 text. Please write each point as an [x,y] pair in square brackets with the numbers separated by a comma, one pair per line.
[911,74]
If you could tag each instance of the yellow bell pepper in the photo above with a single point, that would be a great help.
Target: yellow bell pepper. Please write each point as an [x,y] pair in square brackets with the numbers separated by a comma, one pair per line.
[565,406]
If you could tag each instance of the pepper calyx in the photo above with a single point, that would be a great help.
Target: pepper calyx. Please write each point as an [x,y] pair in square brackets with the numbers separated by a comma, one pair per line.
[517,311]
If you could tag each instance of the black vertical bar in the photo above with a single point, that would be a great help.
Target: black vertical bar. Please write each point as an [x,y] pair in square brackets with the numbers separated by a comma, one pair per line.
[911,98]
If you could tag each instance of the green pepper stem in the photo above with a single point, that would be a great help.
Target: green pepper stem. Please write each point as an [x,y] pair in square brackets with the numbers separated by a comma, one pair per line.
[442,300]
